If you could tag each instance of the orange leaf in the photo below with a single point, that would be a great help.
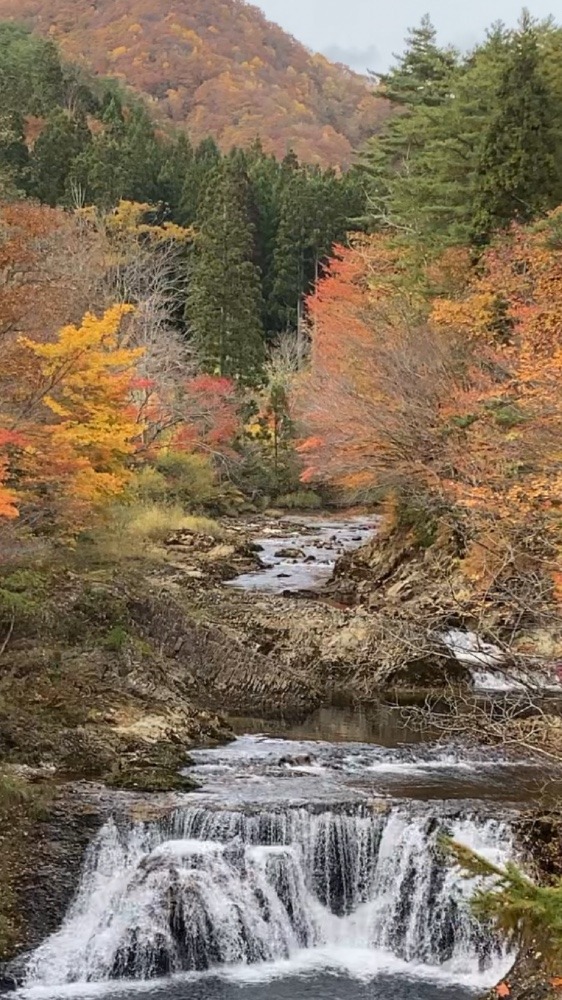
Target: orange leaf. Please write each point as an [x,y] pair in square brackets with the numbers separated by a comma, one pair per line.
[557,983]
[503,990]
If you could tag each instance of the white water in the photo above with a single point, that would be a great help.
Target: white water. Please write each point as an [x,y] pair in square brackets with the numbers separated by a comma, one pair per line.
[271,893]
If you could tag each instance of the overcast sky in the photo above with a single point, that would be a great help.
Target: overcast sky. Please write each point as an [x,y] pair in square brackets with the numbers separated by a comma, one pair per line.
[365,33]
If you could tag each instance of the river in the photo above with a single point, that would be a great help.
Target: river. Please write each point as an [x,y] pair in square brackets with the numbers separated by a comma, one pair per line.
[309,864]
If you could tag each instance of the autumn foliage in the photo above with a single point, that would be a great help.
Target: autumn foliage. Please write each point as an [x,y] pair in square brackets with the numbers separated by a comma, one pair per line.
[454,403]
[85,404]
[218,67]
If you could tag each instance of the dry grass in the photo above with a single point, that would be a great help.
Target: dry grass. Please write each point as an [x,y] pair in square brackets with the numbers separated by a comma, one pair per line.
[140,530]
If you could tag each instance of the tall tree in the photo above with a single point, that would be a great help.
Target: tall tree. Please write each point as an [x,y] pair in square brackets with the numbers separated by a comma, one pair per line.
[225,305]
[206,159]
[420,84]
[60,142]
[517,178]
[422,74]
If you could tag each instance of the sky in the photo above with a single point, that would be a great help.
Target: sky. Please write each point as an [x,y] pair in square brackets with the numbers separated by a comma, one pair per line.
[365,33]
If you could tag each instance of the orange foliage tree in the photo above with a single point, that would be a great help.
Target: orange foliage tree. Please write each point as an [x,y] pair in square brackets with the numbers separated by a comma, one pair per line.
[457,402]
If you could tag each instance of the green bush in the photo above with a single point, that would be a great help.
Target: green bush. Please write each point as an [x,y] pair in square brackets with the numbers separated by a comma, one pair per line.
[149,486]
[116,639]
[301,500]
[23,597]
[190,479]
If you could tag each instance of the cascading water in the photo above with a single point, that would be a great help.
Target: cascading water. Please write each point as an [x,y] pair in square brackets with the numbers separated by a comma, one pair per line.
[208,889]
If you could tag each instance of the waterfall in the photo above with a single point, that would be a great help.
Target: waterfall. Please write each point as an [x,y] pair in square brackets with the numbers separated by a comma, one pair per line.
[205,889]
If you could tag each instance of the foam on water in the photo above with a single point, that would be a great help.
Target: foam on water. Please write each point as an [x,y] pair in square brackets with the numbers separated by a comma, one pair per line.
[226,893]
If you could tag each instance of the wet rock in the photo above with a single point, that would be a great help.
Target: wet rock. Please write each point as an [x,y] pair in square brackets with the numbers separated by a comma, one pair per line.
[290,553]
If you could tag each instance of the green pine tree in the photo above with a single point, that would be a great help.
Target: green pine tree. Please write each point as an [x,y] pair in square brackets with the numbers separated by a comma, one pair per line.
[205,161]
[177,158]
[224,307]
[141,156]
[423,73]
[517,176]
[422,82]
[60,142]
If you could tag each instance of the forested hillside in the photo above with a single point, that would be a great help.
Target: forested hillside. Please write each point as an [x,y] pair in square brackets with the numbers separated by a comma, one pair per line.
[218,68]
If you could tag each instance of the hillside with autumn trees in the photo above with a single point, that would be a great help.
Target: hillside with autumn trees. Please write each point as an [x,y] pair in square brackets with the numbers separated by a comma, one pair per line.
[217,68]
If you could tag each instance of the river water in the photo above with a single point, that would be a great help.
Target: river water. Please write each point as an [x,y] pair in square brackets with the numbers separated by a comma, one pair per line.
[309,865]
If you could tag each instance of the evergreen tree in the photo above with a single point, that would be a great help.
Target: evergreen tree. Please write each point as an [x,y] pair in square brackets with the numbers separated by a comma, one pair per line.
[14,156]
[224,305]
[141,156]
[98,175]
[60,142]
[265,177]
[177,158]
[517,177]
[312,216]
[292,252]
[205,161]
[432,198]
[422,82]
[423,73]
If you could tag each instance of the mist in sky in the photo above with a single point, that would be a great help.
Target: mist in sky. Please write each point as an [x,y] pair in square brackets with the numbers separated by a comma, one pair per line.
[365,33]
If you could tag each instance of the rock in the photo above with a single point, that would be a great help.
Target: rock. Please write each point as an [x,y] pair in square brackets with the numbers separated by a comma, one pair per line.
[303,760]
[290,553]
[221,552]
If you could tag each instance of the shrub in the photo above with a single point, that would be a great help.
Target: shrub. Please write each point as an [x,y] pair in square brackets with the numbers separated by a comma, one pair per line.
[202,526]
[190,479]
[154,522]
[116,639]
[149,485]
[301,500]
[23,596]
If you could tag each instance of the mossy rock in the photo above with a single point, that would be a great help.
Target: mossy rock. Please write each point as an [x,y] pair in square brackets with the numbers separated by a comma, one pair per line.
[149,779]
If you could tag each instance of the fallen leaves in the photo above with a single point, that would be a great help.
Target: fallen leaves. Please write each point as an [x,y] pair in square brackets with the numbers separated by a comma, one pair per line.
[503,990]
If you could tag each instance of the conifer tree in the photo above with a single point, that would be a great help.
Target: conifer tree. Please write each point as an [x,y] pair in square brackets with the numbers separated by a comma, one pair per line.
[421,83]
[206,159]
[60,142]
[516,177]
[422,74]
[177,158]
[224,307]
[141,157]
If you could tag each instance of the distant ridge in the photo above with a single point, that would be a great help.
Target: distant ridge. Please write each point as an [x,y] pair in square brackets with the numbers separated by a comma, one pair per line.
[218,67]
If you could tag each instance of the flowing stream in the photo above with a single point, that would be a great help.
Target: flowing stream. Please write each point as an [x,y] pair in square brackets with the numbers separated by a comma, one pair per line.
[309,866]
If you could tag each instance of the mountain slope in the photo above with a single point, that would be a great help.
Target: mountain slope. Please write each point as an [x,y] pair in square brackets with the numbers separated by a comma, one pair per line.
[219,67]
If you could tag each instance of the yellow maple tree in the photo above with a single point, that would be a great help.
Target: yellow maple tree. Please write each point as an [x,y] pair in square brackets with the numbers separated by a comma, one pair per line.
[83,443]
